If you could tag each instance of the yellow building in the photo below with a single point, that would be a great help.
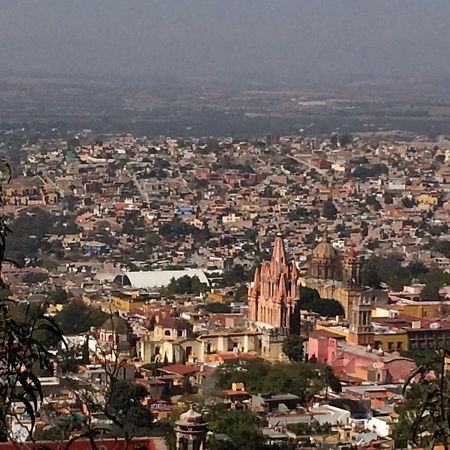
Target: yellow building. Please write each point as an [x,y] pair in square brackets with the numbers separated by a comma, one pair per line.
[217,297]
[390,342]
[426,201]
[128,302]
[427,310]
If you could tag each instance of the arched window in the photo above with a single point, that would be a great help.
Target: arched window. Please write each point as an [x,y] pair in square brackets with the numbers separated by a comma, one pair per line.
[167,333]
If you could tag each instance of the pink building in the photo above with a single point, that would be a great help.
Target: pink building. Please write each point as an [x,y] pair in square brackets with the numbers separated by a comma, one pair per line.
[357,362]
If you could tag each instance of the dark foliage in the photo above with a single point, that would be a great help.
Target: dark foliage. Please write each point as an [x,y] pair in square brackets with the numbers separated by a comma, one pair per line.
[186,285]
[310,301]
[217,308]
[425,417]
[329,211]
[176,229]
[258,376]
[293,347]
[365,171]
[235,275]
[77,317]
[125,407]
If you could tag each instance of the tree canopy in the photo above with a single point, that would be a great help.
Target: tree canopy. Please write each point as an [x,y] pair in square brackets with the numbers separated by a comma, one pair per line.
[77,317]
[217,308]
[239,426]
[186,285]
[258,376]
[125,406]
[329,211]
[424,416]
[310,301]
[237,274]
[391,271]
[293,347]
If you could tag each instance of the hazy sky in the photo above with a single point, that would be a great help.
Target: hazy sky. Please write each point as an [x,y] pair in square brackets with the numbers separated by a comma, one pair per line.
[292,38]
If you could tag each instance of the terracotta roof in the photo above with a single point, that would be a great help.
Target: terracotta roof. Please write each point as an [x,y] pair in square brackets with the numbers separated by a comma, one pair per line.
[180,369]
[229,356]
[82,444]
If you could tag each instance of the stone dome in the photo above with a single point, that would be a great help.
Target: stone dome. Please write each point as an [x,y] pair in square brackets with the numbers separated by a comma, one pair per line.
[324,251]
[116,324]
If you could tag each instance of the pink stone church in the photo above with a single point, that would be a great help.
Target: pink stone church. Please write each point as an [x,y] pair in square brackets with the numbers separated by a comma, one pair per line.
[274,298]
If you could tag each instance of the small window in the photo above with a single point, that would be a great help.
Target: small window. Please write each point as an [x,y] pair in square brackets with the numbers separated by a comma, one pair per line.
[167,333]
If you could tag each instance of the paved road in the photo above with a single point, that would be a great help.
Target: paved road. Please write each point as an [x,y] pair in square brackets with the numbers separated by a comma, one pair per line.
[304,161]
[139,188]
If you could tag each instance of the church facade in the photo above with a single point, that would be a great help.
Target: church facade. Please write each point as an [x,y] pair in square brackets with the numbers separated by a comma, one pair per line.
[274,292]
[274,295]
[338,276]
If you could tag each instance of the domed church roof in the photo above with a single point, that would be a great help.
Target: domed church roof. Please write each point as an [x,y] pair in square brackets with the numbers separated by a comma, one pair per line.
[324,251]
[116,324]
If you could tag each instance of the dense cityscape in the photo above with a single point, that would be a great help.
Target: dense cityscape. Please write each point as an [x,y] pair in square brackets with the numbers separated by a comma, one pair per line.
[224,225]
[207,290]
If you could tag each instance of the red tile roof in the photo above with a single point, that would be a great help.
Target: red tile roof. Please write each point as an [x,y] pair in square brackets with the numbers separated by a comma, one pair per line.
[180,369]
[230,356]
[83,444]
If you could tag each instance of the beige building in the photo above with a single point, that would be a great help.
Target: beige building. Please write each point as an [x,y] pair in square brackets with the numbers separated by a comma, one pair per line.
[339,277]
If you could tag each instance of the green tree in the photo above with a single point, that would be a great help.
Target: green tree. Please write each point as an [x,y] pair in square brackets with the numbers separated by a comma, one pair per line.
[34,278]
[324,307]
[298,214]
[431,291]
[240,426]
[186,285]
[77,317]
[425,416]
[217,308]
[308,295]
[388,198]
[372,201]
[331,380]
[58,296]
[235,275]
[293,347]
[20,352]
[124,406]
[259,376]
[345,139]
[443,247]
[334,140]
[329,211]
[241,293]
[408,202]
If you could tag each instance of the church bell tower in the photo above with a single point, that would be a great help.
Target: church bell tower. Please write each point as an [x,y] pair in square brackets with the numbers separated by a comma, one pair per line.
[361,329]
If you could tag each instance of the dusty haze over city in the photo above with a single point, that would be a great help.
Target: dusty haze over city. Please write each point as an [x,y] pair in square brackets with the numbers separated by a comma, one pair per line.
[271,40]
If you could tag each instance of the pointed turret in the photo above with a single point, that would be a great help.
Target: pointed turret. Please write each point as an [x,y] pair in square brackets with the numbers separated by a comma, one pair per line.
[281,289]
[294,285]
[278,262]
[257,279]
[294,272]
